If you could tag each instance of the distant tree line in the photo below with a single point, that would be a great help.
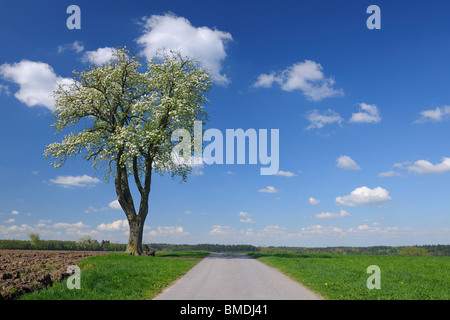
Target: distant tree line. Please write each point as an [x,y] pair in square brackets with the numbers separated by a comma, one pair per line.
[203,247]
[424,250]
[91,245]
[88,244]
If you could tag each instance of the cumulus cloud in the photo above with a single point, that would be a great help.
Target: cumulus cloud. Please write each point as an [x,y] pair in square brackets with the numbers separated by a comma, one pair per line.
[423,167]
[271,231]
[244,214]
[287,174]
[75,181]
[313,201]
[58,230]
[368,113]
[426,167]
[37,81]
[434,115]
[364,196]
[118,225]
[266,80]
[345,162]
[245,217]
[320,230]
[331,215]
[169,32]
[221,230]
[99,56]
[269,189]
[65,225]
[5,89]
[318,120]
[306,76]
[168,230]
[115,205]
[76,46]
[390,173]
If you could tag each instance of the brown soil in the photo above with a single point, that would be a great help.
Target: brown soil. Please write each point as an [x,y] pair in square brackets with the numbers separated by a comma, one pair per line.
[23,271]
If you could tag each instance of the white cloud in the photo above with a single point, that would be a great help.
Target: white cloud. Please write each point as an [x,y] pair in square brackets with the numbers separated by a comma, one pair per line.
[65,225]
[345,162]
[434,115]
[244,214]
[115,205]
[36,80]
[331,215]
[269,189]
[168,230]
[14,212]
[10,220]
[99,56]
[285,174]
[75,181]
[402,165]
[319,230]
[221,230]
[246,217]
[5,89]
[426,167]
[76,46]
[271,231]
[305,76]
[423,167]
[118,225]
[386,174]
[93,209]
[364,196]
[169,32]
[318,120]
[313,201]
[368,113]
[265,80]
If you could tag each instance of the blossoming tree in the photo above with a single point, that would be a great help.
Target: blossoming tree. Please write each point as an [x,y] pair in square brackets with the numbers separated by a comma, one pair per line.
[125,119]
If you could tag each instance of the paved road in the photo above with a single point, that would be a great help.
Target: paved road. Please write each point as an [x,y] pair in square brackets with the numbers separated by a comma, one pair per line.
[235,277]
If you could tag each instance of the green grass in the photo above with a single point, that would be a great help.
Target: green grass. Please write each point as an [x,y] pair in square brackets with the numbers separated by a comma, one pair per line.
[344,277]
[118,276]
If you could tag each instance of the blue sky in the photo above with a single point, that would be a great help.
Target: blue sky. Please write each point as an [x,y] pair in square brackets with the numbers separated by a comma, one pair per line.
[363,117]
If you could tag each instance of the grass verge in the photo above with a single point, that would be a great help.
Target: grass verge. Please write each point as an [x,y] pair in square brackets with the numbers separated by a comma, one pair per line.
[344,277]
[118,276]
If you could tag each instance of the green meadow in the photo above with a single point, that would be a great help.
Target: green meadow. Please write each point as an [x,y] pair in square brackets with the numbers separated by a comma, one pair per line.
[344,277]
[119,276]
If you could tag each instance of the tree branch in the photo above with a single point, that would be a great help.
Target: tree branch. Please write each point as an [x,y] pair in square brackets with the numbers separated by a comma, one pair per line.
[136,176]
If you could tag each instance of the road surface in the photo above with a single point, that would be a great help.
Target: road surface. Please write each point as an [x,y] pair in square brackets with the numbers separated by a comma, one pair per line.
[223,276]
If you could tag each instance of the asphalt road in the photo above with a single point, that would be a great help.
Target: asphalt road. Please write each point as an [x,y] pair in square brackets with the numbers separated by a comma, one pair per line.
[235,277]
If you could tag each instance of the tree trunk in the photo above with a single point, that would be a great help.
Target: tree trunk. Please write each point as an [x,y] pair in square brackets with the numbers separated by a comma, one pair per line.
[135,221]
[134,246]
